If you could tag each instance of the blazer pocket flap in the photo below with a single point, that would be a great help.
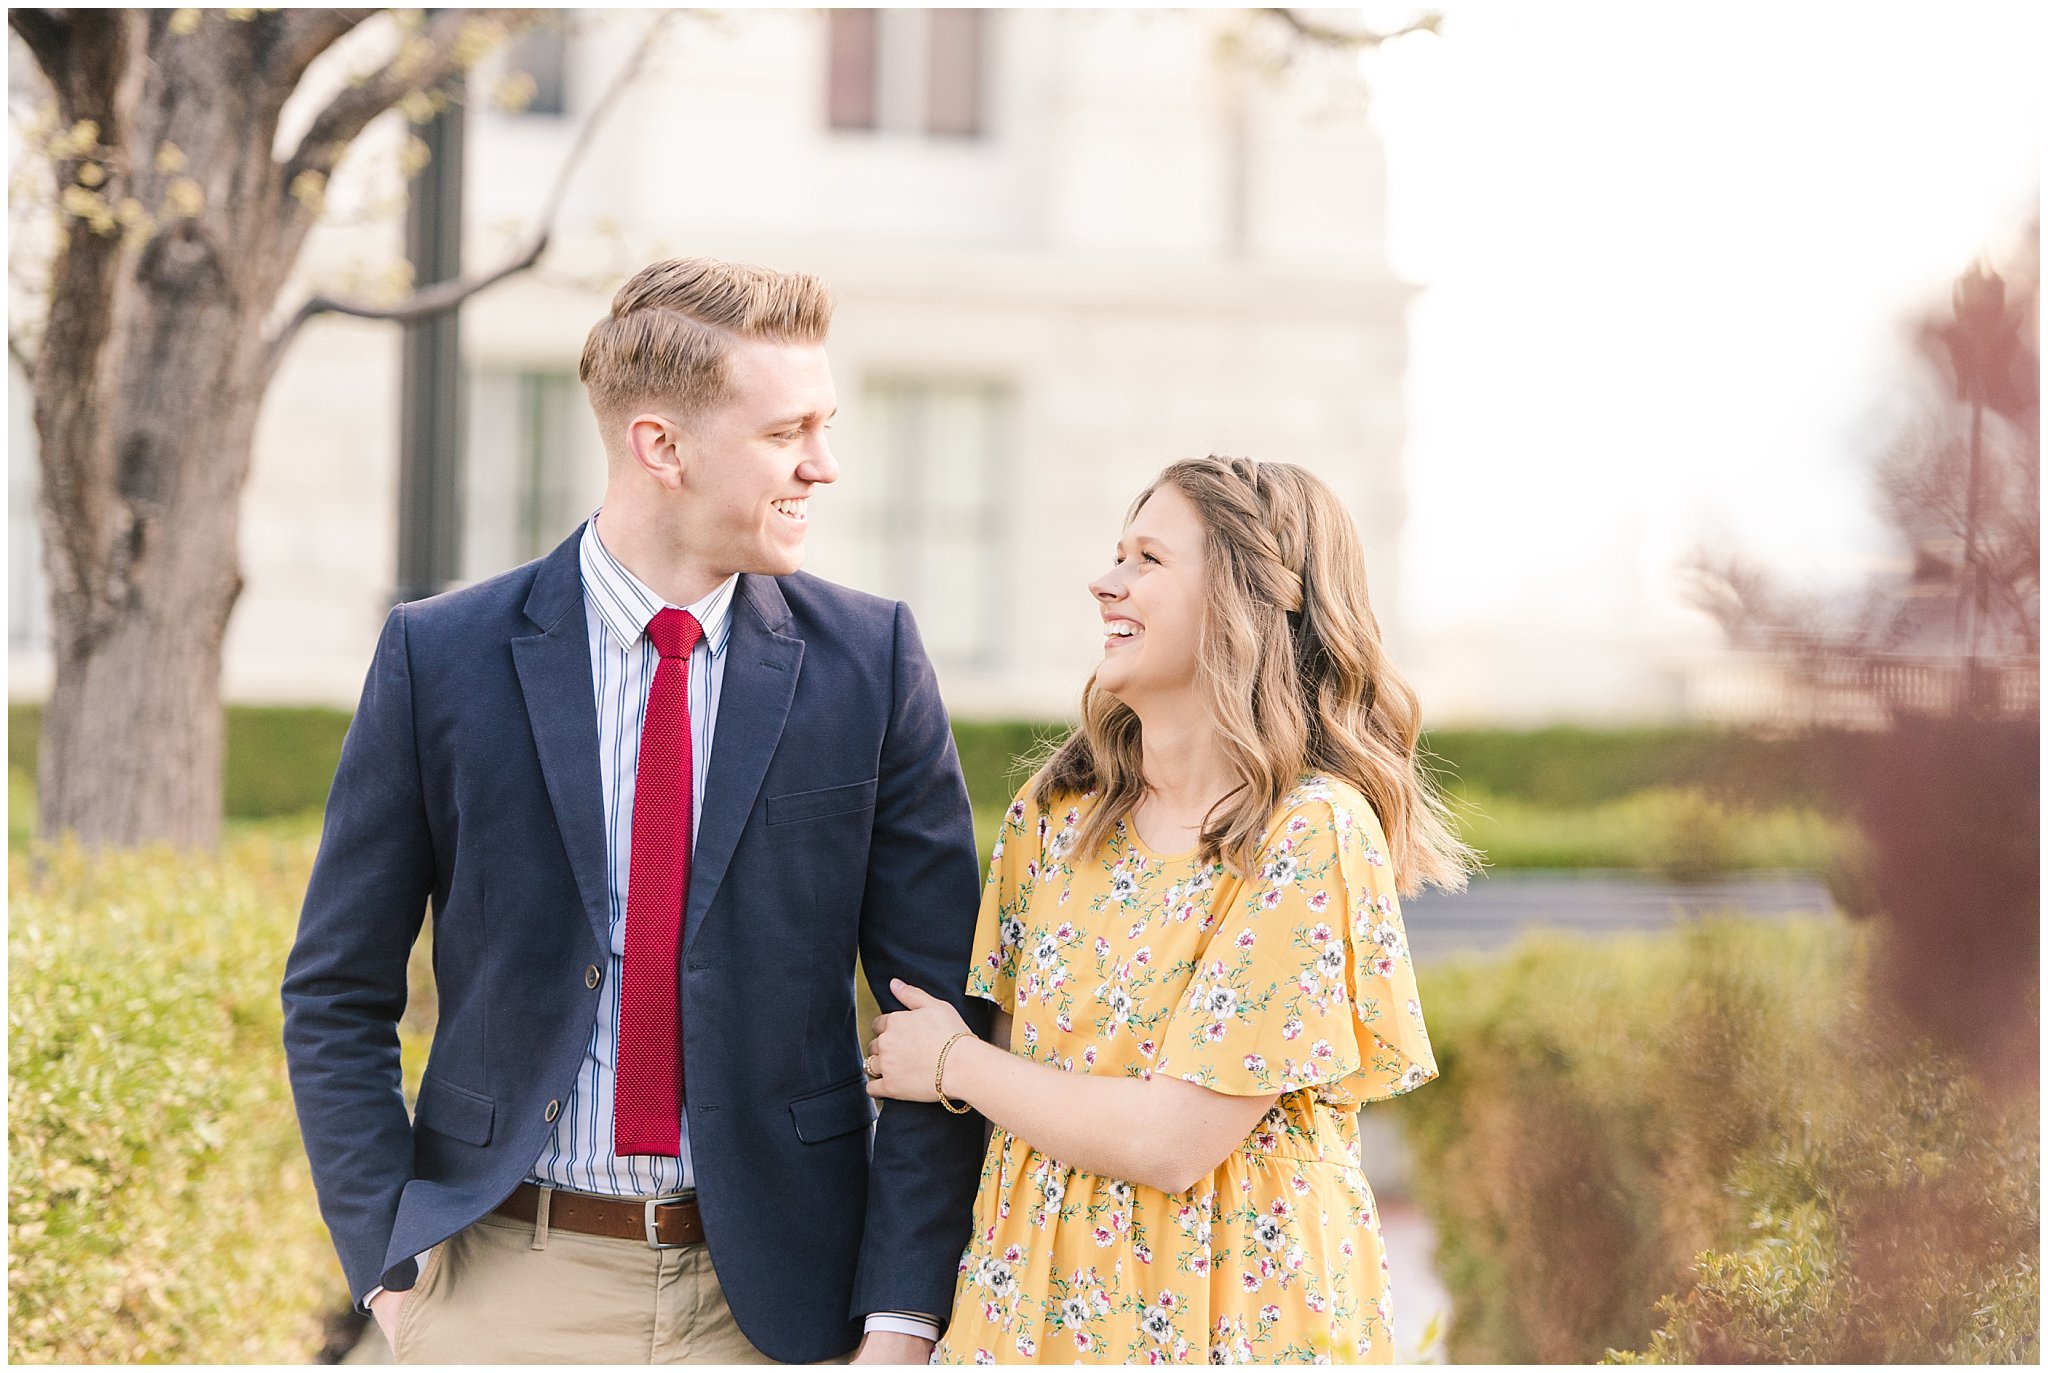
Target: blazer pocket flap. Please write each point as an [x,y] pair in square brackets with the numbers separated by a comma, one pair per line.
[837,1111]
[810,805]
[455,1112]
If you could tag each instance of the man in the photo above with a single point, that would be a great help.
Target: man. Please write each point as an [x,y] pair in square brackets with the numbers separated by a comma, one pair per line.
[661,789]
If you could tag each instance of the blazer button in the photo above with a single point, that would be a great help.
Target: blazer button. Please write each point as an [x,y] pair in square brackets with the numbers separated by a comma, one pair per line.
[591,976]
[554,1109]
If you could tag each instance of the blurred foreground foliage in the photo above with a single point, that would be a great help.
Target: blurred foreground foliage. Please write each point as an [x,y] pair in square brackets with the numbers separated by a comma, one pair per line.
[160,1209]
[1713,1146]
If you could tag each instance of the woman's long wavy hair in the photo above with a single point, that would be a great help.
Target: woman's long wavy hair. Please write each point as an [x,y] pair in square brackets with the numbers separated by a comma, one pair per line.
[1294,673]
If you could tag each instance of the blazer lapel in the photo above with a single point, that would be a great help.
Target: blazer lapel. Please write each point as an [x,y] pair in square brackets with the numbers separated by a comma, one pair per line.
[561,705]
[761,669]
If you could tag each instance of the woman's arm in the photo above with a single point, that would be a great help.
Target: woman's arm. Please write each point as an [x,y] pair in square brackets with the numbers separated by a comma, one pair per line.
[1163,1133]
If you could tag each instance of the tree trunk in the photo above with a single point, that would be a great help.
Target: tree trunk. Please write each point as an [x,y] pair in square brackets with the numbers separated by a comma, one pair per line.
[147,387]
[132,745]
[181,227]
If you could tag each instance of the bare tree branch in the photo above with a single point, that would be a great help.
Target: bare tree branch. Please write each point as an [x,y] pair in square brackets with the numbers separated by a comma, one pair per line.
[1320,32]
[295,37]
[350,112]
[48,37]
[446,295]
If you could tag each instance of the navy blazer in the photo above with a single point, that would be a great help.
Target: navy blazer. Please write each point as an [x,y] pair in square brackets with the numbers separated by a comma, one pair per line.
[835,823]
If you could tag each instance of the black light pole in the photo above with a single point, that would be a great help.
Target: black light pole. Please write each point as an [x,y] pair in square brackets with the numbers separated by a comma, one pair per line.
[432,393]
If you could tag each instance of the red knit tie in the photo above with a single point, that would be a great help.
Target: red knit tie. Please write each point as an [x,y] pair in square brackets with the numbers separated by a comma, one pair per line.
[647,1104]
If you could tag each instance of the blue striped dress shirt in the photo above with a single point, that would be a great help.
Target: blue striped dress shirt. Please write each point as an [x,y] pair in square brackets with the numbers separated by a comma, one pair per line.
[617,607]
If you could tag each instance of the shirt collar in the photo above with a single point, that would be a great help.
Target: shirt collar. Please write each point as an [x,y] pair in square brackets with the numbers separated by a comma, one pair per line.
[626,604]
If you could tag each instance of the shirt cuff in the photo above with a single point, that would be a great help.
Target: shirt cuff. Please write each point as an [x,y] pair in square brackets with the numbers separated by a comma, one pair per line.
[903,1323]
[368,1297]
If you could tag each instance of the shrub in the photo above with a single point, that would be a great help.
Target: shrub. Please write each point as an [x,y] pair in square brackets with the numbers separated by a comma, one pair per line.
[1577,765]
[160,1208]
[1536,798]
[995,756]
[280,759]
[1683,833]
[159,1205]
[1707,1129]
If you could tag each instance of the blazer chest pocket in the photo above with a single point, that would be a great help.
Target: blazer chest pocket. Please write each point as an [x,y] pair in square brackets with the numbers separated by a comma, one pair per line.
[452,1111]
[815,805]
[835,1111]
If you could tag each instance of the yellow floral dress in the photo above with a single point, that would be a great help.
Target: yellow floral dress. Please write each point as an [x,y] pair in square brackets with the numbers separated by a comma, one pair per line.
[1295,980]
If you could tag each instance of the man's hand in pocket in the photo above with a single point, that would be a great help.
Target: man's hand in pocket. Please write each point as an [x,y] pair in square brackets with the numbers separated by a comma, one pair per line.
[385,1306]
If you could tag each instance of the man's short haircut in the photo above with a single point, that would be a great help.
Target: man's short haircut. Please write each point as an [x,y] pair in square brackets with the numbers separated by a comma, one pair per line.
[665,342]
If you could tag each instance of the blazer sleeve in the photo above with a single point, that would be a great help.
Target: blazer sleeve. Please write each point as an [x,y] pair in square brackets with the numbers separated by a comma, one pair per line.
[917,923]
[345,980]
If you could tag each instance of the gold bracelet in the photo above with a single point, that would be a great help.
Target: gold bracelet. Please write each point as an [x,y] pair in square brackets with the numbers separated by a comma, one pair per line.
[939,1079]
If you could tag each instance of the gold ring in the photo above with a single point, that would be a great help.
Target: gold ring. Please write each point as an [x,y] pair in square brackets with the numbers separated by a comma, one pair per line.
[869,1064]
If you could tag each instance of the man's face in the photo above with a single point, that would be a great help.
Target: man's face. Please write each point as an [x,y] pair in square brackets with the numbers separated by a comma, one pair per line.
[751,461]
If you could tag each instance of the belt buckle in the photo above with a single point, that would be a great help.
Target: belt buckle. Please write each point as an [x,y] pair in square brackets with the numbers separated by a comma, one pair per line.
[653,1231]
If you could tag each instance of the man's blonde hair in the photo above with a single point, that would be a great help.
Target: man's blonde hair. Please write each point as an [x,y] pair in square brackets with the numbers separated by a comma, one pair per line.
[670,330]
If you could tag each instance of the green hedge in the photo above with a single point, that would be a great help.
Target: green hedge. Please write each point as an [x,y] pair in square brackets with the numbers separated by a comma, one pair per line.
[281,759]
[1575,765]
[159,1204]
[160,1208]
[1659,800]
[1681,832]
[1707,1146]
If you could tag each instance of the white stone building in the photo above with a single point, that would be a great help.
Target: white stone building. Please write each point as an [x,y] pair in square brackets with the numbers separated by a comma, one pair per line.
[1068,248]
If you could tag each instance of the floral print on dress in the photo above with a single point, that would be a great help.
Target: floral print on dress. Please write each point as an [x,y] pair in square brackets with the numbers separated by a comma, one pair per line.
[1293,979]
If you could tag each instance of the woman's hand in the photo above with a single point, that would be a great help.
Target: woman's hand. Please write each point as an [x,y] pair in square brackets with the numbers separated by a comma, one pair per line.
[903,1061]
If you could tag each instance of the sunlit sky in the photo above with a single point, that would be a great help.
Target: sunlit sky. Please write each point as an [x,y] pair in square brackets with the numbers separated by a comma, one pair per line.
[1666,250]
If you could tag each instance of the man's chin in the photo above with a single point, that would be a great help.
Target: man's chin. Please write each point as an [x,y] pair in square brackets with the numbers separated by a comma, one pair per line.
[780,564]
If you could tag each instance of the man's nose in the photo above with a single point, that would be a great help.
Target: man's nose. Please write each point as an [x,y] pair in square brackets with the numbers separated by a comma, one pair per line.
[820,466]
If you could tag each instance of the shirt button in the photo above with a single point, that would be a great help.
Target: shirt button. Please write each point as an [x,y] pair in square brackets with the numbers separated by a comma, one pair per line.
[554,1109]
[591,976]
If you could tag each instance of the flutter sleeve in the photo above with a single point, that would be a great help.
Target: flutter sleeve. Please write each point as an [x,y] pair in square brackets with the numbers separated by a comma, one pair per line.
[1307,981]
[999,929]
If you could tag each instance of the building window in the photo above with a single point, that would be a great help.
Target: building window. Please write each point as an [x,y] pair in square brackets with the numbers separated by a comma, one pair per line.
[541,54]
[532,475]
[850,73]
[907,71]
[953,72]
[923,511]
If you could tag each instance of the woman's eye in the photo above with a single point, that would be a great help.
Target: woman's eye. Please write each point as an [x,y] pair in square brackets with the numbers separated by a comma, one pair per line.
[1150,559]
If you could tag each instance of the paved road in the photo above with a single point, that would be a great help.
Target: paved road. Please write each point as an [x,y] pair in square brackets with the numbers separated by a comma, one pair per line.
[1500,906]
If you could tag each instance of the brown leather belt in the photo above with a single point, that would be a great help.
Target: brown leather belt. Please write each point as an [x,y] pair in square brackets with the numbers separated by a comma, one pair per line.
[660,1224]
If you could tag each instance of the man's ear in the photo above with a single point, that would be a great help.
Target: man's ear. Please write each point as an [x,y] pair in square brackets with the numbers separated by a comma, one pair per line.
[659,447]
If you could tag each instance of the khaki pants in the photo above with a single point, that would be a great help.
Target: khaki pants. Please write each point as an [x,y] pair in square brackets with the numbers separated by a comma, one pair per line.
[504,1291]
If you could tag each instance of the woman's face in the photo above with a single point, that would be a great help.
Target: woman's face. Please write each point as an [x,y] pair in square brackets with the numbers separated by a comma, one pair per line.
[1151,602]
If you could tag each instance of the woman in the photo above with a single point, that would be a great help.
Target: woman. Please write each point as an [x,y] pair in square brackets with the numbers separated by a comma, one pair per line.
[1192,936]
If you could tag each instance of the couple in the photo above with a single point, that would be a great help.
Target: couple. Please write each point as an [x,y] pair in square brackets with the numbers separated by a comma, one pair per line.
[661,790]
